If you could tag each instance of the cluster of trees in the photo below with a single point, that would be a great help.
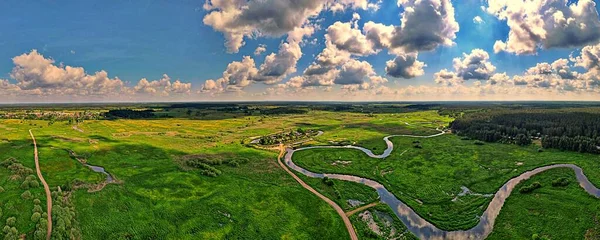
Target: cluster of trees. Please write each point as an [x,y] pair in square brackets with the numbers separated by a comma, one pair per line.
[10,231]
[560,182]
[17,169]
[565,129]
[30,182]
[529,188]
[292,135]
[40,218]
[129,114]
[206,164]
[52,116]
[63,216]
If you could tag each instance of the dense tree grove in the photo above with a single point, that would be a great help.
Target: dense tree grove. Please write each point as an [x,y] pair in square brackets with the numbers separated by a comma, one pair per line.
[129,114]
[565,129]
[65,225]
[207,164]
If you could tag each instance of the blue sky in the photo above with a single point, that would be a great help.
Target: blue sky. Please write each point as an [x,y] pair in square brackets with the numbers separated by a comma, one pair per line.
[149,38]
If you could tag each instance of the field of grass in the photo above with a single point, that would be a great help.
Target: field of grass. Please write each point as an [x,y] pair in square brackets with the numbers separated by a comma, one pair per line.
[551,212]
[158,198]
[429,178]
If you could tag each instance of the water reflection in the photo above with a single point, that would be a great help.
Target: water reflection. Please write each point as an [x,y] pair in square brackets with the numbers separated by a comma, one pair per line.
[418,225]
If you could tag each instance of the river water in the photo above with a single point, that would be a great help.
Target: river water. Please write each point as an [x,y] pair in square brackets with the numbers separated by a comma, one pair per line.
[418,225]
[98,169]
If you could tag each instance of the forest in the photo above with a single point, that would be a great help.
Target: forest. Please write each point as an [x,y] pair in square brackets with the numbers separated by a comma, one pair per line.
[571,129]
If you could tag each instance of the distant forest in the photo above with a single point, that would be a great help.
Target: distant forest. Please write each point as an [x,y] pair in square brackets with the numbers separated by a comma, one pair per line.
[129,114]
[576,129]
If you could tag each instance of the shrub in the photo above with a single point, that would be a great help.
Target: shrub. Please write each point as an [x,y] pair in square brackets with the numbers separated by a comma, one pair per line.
[11,221]
[530,188]
[26,195]
[465,138]
[418,145]
[234,163]
[327,181]
[10,161]
[25,185]
[477,142]
[38,209]
[34,184]
[36,217]
[1,189]
[36,201]
[560,182]
[540,150]
[416,141]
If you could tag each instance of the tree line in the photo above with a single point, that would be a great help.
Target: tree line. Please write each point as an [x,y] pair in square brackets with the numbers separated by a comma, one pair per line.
[565,129]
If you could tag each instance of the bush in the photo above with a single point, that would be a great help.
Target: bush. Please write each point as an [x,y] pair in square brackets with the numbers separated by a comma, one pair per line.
[25,185]
[418,145]
[327,181]
[477,142]
[11,221]
[530,188]
[26,195]
[34,184]
[1,189]
[36,217]
[540,150]
[36,201]
[38,209]
[560,182]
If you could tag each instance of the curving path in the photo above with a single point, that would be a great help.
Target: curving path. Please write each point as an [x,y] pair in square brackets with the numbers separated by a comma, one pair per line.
[337,208]
[46,188]
[418,225]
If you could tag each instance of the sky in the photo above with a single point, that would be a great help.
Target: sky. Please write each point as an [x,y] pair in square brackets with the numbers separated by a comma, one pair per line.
[307,50]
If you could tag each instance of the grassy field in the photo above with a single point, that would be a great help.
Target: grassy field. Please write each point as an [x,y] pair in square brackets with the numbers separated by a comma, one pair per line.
[568,212]
[429,178]
[158,198]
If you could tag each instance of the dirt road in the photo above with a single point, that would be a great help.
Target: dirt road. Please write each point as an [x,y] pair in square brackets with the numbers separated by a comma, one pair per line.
[46,188]
[350,213]
[337,208]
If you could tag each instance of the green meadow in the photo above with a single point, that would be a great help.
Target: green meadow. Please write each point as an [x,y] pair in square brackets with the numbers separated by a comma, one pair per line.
[158,196]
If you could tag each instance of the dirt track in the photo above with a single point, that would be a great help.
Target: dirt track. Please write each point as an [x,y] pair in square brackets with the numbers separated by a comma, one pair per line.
[350,213]
[337,208]
[46,188]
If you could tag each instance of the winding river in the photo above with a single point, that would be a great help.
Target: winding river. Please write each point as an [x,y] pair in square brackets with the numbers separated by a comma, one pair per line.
[415,223]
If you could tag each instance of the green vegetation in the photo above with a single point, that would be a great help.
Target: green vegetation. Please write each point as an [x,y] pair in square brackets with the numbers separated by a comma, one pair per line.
[347,195]
[428,179]
[379,222]
[549,212]
[187,172]
[287,137]
[573,129]
[530,188]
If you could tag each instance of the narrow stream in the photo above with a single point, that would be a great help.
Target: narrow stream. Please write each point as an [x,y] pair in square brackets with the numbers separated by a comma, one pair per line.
[98,169]
[415,223]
